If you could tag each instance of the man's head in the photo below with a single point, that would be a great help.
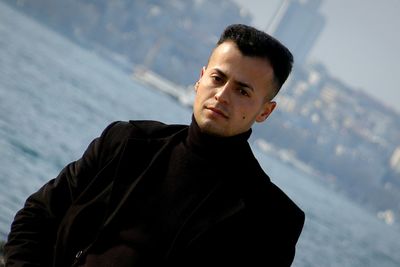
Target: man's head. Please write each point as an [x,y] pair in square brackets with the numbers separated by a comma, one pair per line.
[244,72]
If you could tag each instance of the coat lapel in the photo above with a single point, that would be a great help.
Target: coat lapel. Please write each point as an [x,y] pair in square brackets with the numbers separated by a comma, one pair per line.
[140,158]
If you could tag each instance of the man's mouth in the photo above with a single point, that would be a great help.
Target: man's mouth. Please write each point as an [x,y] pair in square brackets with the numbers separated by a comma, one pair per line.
[218,111]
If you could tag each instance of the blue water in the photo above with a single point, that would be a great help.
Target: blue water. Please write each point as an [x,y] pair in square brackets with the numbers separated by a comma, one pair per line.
[55,97]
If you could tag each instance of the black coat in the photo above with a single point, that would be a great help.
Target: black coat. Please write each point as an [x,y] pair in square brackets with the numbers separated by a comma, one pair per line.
[245,220]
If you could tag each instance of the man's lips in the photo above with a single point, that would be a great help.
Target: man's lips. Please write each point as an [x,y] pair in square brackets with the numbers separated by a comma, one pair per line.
[218,111]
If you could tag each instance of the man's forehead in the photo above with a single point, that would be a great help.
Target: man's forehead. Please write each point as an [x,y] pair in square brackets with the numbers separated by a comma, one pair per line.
[224,52]
[225,47]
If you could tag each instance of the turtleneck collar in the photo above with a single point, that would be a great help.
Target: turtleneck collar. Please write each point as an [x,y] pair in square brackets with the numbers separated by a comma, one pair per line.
[215,146]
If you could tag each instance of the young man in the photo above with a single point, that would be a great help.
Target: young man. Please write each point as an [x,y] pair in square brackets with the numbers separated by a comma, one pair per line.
[149,194]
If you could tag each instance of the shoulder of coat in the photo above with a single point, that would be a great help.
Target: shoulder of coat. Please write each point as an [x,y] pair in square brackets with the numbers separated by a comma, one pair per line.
[156,129]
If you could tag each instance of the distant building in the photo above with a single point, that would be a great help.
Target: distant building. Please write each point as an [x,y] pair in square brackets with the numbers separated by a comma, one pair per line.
[298,23]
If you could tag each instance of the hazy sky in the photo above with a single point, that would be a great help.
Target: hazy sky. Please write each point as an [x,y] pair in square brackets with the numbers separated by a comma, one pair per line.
[359,45]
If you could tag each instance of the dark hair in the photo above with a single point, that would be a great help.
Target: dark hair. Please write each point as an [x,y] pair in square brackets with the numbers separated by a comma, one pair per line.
[255,43]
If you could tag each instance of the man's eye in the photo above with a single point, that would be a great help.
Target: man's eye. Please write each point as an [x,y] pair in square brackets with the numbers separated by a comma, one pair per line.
[243,92]
[216,78]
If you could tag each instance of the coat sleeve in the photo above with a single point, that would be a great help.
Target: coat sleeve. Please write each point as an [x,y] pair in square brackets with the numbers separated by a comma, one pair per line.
[34,229]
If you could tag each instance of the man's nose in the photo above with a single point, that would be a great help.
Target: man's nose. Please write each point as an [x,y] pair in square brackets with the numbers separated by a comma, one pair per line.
[223,93]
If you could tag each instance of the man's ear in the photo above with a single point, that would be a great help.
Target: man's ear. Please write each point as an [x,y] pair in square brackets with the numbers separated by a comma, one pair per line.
[203,69]
[196,85]
[266,111]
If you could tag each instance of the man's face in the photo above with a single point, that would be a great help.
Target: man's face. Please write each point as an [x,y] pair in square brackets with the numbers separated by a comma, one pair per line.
[233,92]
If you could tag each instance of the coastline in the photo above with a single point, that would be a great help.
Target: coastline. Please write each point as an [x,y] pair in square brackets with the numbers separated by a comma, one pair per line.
[185,95]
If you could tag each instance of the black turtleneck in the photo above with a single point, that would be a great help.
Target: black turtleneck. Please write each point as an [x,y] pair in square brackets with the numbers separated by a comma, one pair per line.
[196,164]
[210,146]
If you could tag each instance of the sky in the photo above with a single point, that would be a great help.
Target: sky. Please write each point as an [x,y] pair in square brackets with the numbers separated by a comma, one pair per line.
[359,45]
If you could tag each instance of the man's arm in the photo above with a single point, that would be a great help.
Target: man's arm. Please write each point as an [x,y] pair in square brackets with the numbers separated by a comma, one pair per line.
[34,229]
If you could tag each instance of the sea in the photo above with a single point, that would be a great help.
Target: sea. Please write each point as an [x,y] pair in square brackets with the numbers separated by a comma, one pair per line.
[56,96]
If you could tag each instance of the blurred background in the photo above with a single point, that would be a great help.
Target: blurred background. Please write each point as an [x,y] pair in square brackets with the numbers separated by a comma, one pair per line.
[69,68]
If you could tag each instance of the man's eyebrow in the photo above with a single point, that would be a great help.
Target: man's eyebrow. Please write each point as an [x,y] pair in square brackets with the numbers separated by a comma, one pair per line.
[220,72]
[242,84]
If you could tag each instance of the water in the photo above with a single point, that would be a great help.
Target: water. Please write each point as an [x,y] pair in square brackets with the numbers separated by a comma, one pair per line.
[55,97]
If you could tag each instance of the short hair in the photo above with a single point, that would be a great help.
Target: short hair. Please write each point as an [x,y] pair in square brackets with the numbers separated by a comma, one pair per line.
[255,43]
